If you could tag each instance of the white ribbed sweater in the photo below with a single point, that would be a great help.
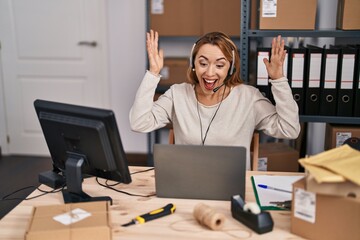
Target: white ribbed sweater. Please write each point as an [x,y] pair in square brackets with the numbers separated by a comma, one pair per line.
[241,112]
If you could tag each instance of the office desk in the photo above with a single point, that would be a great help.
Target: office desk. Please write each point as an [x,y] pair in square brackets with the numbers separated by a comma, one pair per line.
[180,225]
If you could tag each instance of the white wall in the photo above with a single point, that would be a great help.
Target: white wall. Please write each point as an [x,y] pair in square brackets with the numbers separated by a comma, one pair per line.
[127,64]
[3,127]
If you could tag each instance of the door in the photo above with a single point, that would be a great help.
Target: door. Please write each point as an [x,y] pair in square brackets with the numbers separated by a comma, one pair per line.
[53,50]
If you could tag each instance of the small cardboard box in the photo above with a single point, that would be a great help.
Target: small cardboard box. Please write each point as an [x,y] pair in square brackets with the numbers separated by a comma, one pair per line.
[343,189]
[278,157]
[288,14]
[227,18]
[348,15]
[88,220]
[174,71]
[316,216]
[336,135]
[176,18]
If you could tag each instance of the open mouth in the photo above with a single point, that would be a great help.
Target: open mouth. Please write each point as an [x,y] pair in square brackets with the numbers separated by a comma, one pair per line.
[209,84]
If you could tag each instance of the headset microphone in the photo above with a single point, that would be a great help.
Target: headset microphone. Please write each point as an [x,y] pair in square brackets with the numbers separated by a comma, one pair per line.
[217,88]
[226,79]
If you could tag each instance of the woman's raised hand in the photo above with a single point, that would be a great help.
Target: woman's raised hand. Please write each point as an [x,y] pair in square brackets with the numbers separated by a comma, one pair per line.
[156,56]
[275,66]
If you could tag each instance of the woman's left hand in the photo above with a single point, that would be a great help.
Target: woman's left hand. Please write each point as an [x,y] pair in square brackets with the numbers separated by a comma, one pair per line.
[275,66]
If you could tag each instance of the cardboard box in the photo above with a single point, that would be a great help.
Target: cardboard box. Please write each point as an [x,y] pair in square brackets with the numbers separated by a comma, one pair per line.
[348,15]
[342,189]
[198,17]
[288,14]
[174,71]
[227,18]
[278,157]
[90,220]
[176,18]
[316,216]
[336,135]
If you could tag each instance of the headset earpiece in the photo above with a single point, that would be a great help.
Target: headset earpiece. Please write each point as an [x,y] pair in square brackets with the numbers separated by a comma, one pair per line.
[191,60]
[232,68]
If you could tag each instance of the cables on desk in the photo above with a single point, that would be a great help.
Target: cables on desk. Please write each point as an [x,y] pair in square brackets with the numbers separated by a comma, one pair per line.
[106,185]
[120,191]
[110,186]
[6,197]
[142,171]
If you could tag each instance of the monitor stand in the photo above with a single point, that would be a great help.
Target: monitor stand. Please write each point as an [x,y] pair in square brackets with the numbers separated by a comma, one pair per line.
[73,192]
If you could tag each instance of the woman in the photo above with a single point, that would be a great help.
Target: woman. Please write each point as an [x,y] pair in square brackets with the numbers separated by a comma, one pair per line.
[216,108]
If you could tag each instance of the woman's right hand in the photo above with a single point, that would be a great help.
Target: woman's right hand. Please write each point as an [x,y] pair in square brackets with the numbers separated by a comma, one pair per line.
[156,56]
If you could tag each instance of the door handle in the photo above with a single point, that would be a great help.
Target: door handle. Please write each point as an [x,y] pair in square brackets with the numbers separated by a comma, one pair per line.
[90,44]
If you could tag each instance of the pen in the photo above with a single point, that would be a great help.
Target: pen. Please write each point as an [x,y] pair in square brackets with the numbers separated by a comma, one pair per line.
[273,188]
[164,211]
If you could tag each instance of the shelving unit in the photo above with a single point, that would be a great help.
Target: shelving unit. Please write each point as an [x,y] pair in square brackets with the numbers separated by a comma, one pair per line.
[243,42]
[330,119]
[247,34]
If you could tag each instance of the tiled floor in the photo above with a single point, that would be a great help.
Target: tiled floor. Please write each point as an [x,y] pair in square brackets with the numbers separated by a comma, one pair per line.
[17,172]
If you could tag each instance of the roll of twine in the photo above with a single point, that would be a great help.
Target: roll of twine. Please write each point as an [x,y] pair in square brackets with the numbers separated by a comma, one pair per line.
[208,217]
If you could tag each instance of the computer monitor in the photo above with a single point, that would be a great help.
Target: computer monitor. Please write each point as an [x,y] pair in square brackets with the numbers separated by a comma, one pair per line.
[82,141]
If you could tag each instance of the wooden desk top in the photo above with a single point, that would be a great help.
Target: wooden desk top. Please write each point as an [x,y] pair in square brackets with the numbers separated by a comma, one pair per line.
[180,225]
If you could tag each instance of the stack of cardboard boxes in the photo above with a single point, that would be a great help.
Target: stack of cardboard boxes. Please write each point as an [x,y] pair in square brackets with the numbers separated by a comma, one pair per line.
[322,216]
[326,203]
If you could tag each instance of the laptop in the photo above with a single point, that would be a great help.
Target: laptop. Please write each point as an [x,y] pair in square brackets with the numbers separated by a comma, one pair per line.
[199,172]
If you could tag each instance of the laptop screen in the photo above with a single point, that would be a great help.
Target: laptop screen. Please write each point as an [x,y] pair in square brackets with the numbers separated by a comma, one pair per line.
[199,172]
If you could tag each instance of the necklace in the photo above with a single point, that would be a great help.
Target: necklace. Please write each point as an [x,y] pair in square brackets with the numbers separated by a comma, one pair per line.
[203,138]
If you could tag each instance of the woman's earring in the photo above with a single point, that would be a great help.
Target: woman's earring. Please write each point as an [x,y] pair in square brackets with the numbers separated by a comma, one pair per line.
[193,69]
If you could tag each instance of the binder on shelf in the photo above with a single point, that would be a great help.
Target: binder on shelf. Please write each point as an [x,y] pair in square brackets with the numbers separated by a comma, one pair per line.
[346,75]
[296,75]
[356,109]
[329,82]
[286,62]
[262,77]
[313,63]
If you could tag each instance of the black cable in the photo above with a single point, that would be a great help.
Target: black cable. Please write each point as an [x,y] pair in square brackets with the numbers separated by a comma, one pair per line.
[147,170]
[5,198]
[120,191]
[217,109]
[112,185]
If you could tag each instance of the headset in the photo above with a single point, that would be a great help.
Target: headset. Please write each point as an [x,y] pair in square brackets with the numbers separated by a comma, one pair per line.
[232,68]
